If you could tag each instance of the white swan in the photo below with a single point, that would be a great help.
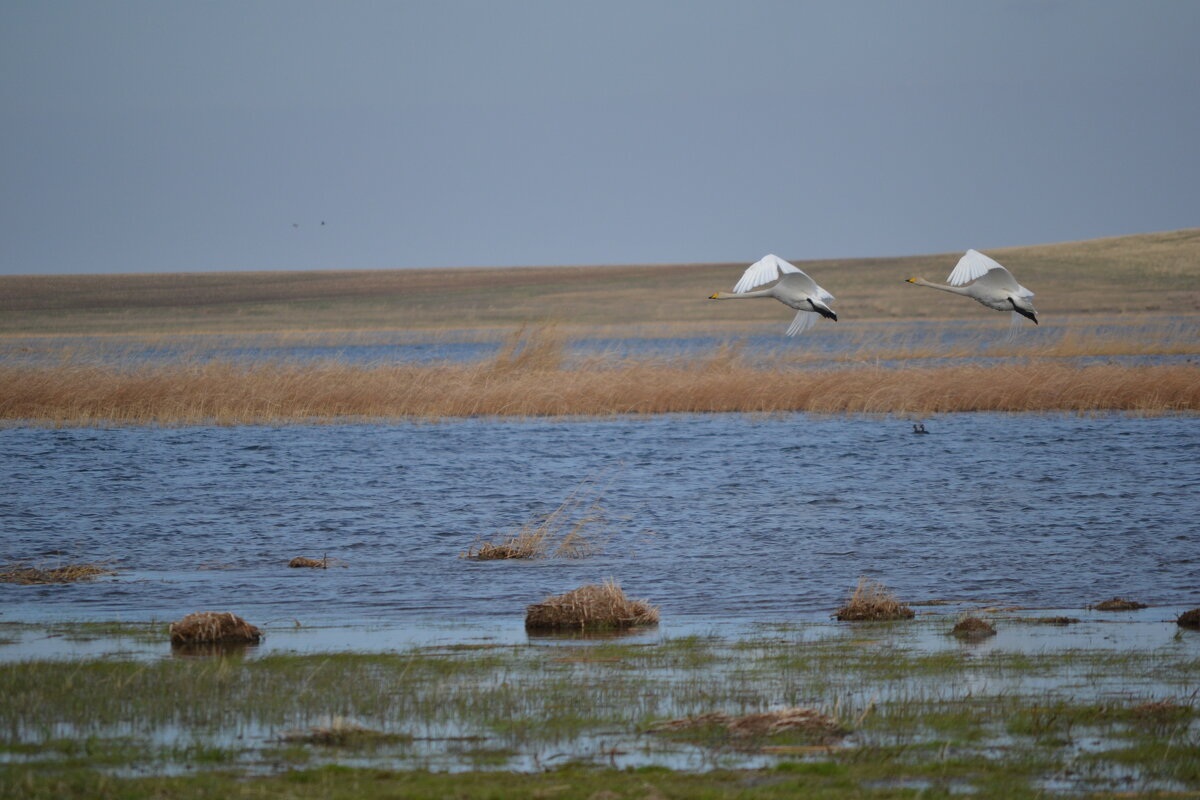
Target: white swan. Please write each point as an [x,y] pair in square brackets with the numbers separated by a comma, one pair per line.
[994,286]
[794,289]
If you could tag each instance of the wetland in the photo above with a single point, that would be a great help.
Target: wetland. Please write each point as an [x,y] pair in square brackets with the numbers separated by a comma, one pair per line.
[189,436]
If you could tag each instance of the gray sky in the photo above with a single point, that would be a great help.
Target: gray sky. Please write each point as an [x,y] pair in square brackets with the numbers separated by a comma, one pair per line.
[183,136]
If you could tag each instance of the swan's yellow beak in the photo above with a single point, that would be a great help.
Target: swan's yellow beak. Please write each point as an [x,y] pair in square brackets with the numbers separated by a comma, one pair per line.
[910,280]
[713,296]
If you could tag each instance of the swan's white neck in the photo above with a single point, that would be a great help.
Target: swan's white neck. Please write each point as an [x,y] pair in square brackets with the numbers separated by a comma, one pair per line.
[742,295]
[955,289]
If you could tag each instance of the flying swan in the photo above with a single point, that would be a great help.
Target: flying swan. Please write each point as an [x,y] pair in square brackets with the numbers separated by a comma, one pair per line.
[994,286]
[794,289]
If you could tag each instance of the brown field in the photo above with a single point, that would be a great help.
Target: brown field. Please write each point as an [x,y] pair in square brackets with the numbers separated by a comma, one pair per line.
[1148,273]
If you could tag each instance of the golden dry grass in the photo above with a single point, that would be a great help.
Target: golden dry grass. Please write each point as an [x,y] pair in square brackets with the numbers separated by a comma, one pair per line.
[572,530]
[1189,619]
[25,574]
[300,562]
[1153,272]
[238,393]
[593,607]
[213,627]
[872,601]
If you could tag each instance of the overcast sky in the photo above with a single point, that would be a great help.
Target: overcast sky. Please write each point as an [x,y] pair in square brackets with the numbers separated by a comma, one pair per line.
[180,136]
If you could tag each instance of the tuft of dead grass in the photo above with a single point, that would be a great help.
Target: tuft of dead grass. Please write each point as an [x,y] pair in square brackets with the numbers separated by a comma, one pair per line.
[26,574]
[872,601]
[767,723]
[592,607]
[343,733]
[973,628]
[1160,711]
[1119,604]
[213,627]
[1189,619]
[575,529]
[311,563]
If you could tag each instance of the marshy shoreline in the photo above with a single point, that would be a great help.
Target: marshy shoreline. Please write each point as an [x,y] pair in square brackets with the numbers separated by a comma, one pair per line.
[1104,703]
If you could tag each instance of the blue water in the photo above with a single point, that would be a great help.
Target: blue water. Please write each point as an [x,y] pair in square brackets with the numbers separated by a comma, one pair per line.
[723,516]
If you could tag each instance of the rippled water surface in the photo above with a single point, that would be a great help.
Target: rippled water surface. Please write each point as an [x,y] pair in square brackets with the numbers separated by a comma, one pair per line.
[723,516]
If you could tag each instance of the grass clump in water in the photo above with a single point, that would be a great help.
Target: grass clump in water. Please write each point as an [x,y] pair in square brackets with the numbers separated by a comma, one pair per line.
[212,627]
[1189,619]
[311,563]
[1119,604]
[25,574]
[769,723]
[973,628]
[573,530]
[343,733]
[872,601]
[593,607]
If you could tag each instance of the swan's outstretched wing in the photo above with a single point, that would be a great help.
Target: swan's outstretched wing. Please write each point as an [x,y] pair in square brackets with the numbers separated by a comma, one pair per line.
[802,322]
[765,270]
[799,282]
[972,265]
[770,267]
[1001,280]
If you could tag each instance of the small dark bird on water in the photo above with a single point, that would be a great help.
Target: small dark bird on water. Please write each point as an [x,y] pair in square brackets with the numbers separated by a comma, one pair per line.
[919,427]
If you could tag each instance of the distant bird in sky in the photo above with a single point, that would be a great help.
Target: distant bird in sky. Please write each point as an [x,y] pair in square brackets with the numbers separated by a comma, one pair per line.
[993,286]
[794,289]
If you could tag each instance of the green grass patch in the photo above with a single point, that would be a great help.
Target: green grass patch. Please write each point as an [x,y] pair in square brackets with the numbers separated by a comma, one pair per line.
[910,717]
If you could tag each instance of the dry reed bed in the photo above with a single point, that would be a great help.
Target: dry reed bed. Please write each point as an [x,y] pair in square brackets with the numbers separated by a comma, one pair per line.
[226,393]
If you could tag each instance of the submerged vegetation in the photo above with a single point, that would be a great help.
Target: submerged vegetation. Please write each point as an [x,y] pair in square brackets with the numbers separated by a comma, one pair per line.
[844,715]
